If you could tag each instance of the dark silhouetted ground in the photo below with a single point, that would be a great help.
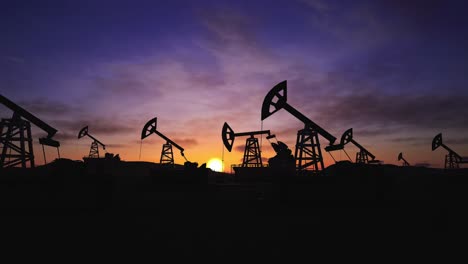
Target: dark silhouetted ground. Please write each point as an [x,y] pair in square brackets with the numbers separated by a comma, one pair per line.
[203,210]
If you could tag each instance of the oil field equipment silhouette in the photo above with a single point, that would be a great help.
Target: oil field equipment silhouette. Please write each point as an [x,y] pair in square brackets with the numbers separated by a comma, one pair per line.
[252,153]
[16,139]
[452,159]
[308,152]
[167,156]
[363,156]
[94,150]
[400,157]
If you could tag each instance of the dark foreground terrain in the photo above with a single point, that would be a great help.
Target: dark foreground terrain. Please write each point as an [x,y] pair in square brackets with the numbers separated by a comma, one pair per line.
[66,202]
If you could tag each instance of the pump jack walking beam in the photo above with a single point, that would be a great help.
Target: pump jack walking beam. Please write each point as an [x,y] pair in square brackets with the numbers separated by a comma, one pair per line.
[400,157]
[308,152]
[94,150]
[280,93]
[452,159]
[15,136]
[167,156]
[362,156]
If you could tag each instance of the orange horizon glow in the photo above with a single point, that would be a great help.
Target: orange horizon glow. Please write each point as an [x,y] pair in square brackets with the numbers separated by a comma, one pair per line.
[206,151]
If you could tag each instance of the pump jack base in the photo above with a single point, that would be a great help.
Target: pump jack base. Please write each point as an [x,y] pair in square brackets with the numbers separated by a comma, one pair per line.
[106,165]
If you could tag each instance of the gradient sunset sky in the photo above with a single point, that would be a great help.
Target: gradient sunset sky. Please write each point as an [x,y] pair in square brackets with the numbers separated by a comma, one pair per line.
[394,71]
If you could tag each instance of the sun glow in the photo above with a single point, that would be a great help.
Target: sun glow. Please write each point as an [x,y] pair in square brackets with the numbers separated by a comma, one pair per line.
[215,164]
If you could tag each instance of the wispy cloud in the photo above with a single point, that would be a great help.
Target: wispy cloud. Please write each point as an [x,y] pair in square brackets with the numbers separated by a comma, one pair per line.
[356,26]
[41,106]
[185,142]
[319,5]
[68,129]
[393,111]
[240,148]
[14,59]
[456,141]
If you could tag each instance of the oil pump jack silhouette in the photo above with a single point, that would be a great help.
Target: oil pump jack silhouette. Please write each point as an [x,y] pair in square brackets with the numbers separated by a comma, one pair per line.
[94,150]
[252,153]
[307,152]
[16,139]
[167,156]
[363,156]
[400,157]
[452,159]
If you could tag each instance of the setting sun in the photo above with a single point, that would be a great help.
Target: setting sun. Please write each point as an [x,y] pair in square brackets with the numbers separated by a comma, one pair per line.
[215,164]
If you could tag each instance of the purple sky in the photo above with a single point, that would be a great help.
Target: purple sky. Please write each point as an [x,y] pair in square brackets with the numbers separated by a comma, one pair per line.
[394,71]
